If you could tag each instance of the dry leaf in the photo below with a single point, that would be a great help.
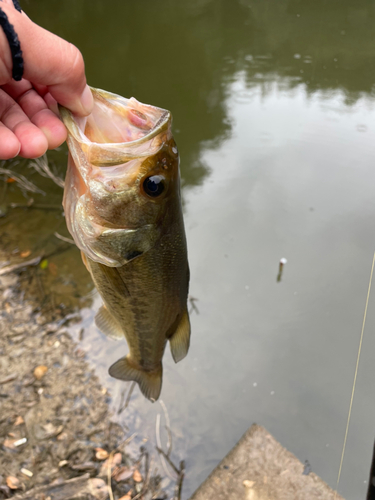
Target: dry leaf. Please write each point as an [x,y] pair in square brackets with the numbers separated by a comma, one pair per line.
[19,421]
[114,461]
[13,483]
[123,473]
[40,371]
[62,436]
[25,254]
[137,476]
[101,454]
[128,496]
[51,430]
[9,443]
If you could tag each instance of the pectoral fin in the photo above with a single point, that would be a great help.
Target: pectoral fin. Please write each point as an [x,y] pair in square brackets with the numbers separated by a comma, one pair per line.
[107,324]
[149,381]
[180,340]
[114,280]
[84,260]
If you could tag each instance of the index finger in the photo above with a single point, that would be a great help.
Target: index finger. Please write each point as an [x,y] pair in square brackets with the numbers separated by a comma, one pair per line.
[61,68]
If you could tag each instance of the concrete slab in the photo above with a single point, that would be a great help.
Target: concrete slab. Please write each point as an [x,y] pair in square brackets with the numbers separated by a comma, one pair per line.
[259,468]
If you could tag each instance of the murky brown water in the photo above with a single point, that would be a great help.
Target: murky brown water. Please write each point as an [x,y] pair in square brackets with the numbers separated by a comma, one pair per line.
[273,106]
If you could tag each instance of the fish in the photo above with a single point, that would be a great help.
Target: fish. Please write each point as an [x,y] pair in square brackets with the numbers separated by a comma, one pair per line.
[122,204]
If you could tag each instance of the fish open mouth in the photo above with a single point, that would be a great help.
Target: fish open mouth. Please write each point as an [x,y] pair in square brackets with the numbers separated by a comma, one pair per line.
[118,129]
[107,149]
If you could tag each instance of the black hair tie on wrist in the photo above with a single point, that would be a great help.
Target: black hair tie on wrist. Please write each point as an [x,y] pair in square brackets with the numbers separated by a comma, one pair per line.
[14,44]
[17,5]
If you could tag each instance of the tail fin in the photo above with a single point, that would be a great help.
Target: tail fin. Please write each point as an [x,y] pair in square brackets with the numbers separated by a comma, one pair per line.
[149,382]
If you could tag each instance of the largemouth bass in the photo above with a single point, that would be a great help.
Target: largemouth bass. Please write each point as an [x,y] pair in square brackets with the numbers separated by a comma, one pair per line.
[123,208]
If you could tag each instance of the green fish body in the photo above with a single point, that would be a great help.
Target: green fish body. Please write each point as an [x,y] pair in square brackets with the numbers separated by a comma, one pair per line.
[123,208]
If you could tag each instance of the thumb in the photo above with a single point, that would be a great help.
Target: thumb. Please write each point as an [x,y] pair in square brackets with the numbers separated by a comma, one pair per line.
[48,61]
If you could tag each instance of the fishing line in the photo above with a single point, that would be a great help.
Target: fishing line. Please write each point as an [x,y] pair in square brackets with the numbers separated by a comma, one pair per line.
[355,379]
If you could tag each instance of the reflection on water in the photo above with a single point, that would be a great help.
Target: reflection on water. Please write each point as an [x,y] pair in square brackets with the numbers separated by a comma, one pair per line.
[273,106]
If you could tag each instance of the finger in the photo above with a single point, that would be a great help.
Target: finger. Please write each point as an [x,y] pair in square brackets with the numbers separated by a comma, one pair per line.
[49,100]
[52,103]
[36,109]
[51,126]
[9,144]
[33,141]
[61,68]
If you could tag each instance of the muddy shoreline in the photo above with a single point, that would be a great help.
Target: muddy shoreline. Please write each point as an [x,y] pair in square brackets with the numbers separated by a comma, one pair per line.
[55,420]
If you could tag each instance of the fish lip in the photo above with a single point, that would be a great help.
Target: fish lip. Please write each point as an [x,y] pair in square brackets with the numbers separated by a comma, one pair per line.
[96,152]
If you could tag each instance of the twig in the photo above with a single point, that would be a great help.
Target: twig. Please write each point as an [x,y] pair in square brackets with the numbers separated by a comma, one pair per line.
[22,181]
[78,487]
[33,262]
[162,452]
[147,477]
[178,489]
[168,427]
[41,166]
[159,447]
[109,476]
[121,409]
[15,267]
[9,378]
[37,206]
[63,238]
[127,441]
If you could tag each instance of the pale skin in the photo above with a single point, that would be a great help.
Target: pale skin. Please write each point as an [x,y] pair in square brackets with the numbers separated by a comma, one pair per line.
[54,72]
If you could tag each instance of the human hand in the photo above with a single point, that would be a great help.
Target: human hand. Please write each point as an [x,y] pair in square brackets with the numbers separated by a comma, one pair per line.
[54,73]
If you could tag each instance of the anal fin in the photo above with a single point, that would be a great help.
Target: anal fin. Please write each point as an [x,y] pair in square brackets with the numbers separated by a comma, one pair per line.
[149,381]
[107,324]
[180,340]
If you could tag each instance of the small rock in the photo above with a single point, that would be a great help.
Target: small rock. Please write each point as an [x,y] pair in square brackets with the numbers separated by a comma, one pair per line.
[40,371]
[248,484]
[27,472]
[98,488]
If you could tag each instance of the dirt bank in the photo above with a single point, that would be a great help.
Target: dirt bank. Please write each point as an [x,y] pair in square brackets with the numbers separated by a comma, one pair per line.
[55,423]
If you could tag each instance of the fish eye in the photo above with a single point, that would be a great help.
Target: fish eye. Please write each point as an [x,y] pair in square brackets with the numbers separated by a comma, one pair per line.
[154,185]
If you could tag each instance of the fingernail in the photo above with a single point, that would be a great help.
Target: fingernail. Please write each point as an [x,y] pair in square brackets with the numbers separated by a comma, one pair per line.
[87,100]
[18,152]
